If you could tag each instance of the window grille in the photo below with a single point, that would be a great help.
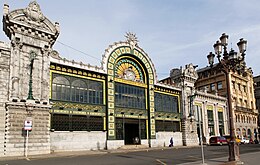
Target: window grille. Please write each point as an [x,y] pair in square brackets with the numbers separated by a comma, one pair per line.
[166,103]
[168,126]
[69,122]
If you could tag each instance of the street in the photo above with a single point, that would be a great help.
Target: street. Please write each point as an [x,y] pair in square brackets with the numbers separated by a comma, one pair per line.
[165,156]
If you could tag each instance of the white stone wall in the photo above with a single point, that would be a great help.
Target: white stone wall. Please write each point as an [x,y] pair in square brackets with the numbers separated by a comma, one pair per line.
[115,144]
[77,141]
[163,139]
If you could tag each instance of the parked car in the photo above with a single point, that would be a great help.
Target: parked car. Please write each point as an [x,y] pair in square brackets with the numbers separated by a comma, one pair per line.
[244,141]
[217,140]
[228,139]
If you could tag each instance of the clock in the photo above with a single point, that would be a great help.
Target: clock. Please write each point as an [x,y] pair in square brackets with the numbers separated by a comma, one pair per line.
[129,74]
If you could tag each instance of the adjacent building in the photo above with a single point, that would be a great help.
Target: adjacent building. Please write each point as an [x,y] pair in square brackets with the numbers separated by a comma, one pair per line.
[212,79]
[257,98]
[204,114]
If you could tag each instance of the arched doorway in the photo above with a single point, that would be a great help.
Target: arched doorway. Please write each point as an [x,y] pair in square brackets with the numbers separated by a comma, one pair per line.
[131,77]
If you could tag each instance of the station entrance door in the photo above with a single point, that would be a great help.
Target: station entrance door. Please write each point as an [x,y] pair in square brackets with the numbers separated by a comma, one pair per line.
[131,130]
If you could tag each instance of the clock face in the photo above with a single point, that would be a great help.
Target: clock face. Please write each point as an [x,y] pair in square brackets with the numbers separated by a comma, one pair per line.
[130,75]
[128,70]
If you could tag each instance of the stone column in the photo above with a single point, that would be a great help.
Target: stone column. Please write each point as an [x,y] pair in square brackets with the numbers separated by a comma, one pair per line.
[216,121]
[206,121]
[15,68]
[45,72]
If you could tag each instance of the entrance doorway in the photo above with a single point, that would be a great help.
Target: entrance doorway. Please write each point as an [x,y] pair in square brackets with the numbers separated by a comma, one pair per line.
[131,130]
[132,133]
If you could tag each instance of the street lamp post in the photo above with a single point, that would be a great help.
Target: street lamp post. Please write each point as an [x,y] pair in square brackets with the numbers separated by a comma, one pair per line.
[31,58]
[231,61]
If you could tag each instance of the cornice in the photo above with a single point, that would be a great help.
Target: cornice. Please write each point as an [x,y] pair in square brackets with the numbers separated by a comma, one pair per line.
[74,64]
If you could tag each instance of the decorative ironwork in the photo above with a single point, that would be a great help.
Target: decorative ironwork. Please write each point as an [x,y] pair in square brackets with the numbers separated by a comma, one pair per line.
[76,71]
[143,129]
[60,122]
[119,129]
[228,63]
[129,70]
[64,122]
[167,116]
[161,89]
[170,126]
[131,39]
[128,111]
[76,106]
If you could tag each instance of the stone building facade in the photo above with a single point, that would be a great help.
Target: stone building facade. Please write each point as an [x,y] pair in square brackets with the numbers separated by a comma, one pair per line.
[242,94]
[198,108]
[76,106]
[257,98]
[24,60]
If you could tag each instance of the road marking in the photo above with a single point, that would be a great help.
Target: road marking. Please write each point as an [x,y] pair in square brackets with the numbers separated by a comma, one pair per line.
[160,162]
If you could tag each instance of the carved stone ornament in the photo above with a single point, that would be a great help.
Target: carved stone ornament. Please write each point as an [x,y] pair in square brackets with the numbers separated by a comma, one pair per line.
[55,54]
[190,71]
[175,72]
[33,12]
[16,44]
[131,39]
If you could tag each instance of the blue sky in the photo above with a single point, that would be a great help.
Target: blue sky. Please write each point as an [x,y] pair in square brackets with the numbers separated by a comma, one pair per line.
[172,32]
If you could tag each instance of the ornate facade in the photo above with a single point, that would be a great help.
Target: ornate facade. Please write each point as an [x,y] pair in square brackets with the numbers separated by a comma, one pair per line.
[76,106]
[198,108]
[30,34]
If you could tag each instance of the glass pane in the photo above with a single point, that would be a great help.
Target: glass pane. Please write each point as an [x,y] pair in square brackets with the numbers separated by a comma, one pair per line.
[129,96]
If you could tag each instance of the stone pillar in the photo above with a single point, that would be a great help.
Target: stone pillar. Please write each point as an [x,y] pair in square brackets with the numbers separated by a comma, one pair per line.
[16,49]
[29,31]
[45,83]
[215,117]
[185,78]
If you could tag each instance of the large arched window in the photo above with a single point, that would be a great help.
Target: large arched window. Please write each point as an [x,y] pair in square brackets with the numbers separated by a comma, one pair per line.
[61,88]
[78,88]
[67,88]
[95,92]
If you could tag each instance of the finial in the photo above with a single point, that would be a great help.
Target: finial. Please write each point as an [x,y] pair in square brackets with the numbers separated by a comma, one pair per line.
[6,9]
[131,39]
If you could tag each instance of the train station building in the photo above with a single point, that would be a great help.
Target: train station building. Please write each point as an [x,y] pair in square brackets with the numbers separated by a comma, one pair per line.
[75,106]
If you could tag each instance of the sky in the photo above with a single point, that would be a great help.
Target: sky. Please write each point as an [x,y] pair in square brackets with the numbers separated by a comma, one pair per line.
[172,32]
